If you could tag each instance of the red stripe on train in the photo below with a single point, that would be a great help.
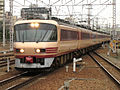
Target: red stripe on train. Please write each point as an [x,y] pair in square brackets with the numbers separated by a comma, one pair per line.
[51,50]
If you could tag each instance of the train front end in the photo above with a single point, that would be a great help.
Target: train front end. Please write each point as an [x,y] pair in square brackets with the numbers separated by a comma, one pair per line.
[35,45]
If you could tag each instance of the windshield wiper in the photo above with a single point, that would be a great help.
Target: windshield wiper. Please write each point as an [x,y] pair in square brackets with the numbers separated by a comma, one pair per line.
[35,35]
[39,38]
[43,37]
[19,36]
[23,36]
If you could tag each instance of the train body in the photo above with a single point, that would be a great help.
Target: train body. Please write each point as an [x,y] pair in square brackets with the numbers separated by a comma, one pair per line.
[43,44]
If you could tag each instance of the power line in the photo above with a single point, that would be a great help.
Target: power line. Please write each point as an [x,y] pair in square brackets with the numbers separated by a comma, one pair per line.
[99,12]
[44,3]
[64,4]
[18,3]
[93,1]
[80,2]
[27,1]
[55,2]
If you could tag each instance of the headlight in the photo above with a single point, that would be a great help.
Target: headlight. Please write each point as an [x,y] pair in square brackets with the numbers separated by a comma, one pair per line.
[22,50]
[37,50]
[35,25]
[32,25]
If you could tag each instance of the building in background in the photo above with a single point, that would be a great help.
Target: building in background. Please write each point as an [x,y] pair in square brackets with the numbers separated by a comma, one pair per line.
[1,9]
[34,12]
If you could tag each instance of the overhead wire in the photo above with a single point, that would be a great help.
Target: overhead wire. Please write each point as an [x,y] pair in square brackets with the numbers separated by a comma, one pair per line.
[44,3]
[28,1]
[58,9]
[18,3]
[64,4]
[93,1]
[80,2]
[100,10]
[97,4]
[68,10]
[105,1]
[55,2]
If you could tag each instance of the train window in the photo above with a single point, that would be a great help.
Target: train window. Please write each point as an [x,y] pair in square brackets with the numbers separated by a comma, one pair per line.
[44,33]
[85,35]
[93,36]
[100,36]
[69,35]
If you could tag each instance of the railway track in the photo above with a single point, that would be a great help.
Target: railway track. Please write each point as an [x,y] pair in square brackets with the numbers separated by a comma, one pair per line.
[4,63]
[5,81]
[112,70]
[4,55]
[25,82]
[18,81]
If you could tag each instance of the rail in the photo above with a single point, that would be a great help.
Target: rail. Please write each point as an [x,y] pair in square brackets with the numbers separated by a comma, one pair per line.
[26,82]
[3,64]
[5,81]
[6,55]
[118,68]
[17,86]
[108,73]
[7,51]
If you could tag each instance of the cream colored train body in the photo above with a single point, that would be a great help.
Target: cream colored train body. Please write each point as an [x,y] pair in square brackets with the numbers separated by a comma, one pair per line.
[45,43]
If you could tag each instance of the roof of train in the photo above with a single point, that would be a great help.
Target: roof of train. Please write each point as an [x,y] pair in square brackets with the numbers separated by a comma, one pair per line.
[58,22]
[31,21]
[51,22]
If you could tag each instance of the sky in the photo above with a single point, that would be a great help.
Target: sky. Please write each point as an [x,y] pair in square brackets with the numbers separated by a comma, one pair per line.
[103,12]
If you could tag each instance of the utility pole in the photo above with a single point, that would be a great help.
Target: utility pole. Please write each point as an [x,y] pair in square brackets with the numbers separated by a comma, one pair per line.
[114,20]
[11,24]
[50,12]
[37,3]
[24,2]
[109,29]
[3,23]
[49,3]
[89,13]
[93,25]
[97,26]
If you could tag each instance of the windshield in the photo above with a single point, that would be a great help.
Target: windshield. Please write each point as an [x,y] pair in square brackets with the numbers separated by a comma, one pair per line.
[43,33]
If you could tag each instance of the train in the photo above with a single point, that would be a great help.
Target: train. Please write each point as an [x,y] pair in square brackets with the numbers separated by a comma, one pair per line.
[44,44]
